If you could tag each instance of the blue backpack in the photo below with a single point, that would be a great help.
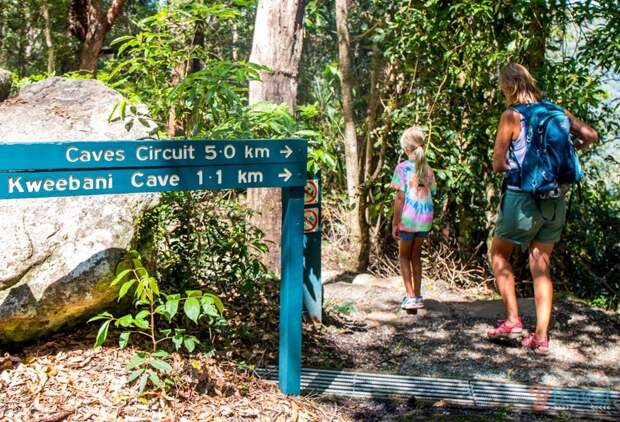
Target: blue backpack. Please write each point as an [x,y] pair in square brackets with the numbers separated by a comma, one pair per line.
[550,159]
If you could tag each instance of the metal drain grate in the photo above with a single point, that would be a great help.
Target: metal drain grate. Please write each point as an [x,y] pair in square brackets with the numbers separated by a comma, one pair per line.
[538,398]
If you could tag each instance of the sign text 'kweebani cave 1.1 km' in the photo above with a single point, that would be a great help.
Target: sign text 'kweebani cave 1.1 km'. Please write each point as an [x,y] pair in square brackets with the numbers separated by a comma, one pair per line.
[31,170]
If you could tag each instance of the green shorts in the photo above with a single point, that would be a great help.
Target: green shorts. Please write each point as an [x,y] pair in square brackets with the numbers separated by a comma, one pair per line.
[523,219]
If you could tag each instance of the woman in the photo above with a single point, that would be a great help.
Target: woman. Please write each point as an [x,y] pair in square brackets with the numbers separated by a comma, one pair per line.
[523,220]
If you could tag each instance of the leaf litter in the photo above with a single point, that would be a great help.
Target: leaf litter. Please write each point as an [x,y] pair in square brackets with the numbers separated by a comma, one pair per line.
[64,379]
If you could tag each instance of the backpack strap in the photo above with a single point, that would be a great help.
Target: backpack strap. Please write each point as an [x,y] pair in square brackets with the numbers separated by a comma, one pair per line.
[523,110]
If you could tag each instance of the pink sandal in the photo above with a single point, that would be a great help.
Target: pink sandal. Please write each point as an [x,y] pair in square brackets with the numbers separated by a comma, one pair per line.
[506,330]
[540,347]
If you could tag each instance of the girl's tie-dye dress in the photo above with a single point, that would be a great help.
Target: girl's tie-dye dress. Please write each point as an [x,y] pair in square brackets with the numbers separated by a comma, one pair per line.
[417,215]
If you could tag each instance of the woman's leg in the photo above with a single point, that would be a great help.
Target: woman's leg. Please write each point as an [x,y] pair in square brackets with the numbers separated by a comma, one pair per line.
[416,264]
[504,277]
[405,247]
[540,256]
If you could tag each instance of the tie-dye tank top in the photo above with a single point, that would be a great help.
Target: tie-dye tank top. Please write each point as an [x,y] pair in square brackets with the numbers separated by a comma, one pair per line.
[417,215]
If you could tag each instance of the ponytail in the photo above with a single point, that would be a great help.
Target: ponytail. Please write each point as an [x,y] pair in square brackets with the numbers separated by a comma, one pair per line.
[421,166]
[413,141]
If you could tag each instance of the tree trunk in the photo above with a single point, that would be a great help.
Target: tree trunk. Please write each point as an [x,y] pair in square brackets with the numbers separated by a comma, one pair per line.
[88,23]
[537,37]
[351,146]
[178,74]
[49,41]
[277,44]
[373,163]
[90,50]
[23,44]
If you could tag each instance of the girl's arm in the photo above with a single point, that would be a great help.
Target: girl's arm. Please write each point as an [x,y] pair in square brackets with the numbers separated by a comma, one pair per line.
[509,129]
[399,201]
[582,131]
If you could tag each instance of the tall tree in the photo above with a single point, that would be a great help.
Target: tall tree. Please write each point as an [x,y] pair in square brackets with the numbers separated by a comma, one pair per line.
[49,41]
[538,32]
[277,44]
[89,23]
[351,145]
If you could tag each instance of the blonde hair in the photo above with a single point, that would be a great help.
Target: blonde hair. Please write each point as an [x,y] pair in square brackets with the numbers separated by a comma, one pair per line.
[518,85]
[413,142]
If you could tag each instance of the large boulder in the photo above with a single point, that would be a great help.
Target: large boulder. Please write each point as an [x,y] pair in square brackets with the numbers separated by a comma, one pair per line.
[6,81]
[58,255]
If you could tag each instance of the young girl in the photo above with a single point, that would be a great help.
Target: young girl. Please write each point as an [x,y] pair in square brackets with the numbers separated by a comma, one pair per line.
[414,182]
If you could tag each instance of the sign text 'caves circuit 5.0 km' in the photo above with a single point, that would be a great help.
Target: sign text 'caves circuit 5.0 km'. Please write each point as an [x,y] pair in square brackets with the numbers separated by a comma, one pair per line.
[30,170]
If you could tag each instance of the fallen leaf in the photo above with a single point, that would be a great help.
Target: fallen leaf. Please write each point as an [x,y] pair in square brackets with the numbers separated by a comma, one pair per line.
[30,359]
[50,371]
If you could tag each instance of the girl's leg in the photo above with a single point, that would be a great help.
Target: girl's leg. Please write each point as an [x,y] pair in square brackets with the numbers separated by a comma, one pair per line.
[416,264]
[505,279]
[540,256]
[405,264]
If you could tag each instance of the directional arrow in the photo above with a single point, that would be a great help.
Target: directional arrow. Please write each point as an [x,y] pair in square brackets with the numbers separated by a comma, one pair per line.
[287,151]
[285,175]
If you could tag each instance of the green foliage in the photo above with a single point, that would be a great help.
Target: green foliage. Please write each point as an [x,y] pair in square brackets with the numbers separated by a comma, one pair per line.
[157,318]
[346,308]
[600,301]
[153,67]
[205,240]
[602,38]
[23,49]
[148,368]
[322,117]
[590,253]
[163,67]
[436,64]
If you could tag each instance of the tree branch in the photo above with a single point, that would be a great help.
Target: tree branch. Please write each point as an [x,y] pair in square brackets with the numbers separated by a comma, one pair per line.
[116,8]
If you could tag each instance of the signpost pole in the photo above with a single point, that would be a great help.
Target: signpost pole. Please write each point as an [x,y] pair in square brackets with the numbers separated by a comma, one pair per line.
[313,288]
[291,290]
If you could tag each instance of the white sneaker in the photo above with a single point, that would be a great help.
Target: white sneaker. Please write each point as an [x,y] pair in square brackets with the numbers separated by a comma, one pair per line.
[414,303]
[408,303]
[403,304]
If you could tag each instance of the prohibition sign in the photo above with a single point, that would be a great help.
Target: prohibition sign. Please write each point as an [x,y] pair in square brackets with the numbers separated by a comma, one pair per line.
[311,192]
[311,220]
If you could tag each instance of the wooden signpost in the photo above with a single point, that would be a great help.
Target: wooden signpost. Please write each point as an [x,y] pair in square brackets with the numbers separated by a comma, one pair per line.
[55,169]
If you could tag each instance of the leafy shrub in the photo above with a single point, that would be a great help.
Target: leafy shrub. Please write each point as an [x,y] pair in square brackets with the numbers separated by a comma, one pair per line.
[590,253]
[204,239]
[158,319]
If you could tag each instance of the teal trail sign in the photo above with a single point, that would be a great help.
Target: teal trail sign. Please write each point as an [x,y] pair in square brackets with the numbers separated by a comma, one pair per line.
[150,153]
[39,184]
[96,168]
[55,169]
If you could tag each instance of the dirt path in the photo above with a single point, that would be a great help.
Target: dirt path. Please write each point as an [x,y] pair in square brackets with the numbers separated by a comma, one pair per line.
[368,331]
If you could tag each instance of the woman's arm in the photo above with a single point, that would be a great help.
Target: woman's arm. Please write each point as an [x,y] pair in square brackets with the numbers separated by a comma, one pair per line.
[399,201]
[508,130]
[582,131]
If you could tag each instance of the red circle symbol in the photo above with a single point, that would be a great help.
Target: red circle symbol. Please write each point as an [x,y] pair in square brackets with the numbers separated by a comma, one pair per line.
[311,192]
[311,220]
